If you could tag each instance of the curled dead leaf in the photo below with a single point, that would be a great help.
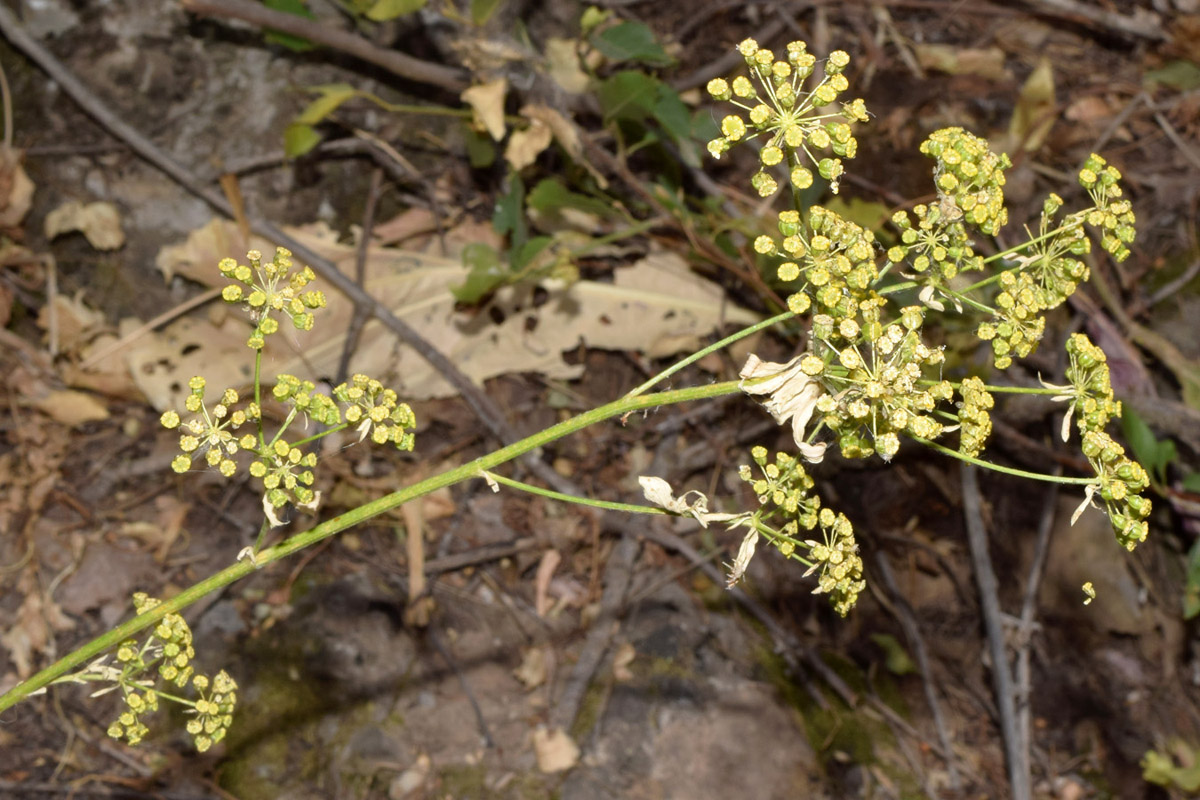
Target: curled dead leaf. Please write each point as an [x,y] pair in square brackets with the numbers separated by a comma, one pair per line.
[99,222]
[16,189]
[487,101]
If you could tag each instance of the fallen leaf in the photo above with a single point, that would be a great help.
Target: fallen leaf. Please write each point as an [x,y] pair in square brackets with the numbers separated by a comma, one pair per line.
[487,101]
[622,658]
[16,190]
[100,222]
[31,629]
[657,306]
[562,62]
[1034,114]
[71,407]
[532,670]
[413,778]
[526,144]
[555,750]
[985,63]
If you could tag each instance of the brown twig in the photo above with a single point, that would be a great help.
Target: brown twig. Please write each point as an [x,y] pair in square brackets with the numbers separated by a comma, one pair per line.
[617,577]
[361,313]
[989,602]
[480,403]
[1142,24]
[1023,672]
[397,63]
[912,634]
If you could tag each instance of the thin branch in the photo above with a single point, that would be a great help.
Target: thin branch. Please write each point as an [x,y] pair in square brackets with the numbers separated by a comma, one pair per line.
[395,62]
[989,602]
[912,634]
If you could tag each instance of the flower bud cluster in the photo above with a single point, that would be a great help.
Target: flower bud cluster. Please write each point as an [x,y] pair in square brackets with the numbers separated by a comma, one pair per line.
[974,417]
[1091,394]
[792,120]
[377,411]
[782,487]
[271,287]
[213,710]
[1113,216]
[937,248]
[969,178]
[835,259]
[168,650]
[210,433]
[1121,483]
[1016,327]
[874,375]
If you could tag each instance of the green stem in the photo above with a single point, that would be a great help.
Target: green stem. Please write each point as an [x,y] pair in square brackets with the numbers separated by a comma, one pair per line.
[1020,473]
[728,340]
[568,498]
[337,524]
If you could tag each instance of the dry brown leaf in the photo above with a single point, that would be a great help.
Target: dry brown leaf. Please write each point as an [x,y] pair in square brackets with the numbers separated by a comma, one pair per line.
[657,306]
[16,190]
[622,658]
[99,222]
[526,144]
[532,670]
[71,407]
[562,63]
[1034,114]
[555,750]
[30,631]
[985,63]
[566,133]
[487,101]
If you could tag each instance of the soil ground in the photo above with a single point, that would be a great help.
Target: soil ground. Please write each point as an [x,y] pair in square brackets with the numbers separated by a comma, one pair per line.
[680,689]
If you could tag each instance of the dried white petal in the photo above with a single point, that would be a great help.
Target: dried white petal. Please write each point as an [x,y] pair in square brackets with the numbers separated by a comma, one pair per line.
[742,561]
[792,395]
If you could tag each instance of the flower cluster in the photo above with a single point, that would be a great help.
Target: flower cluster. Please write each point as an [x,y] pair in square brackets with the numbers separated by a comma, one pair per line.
[833,257]
[269,287]
[377,411]
[167,650]
[210,433]
[783,489]
[974,417]
[1121,482]
[1112,214]
[969,178]
[213,711]
[937,248]
[875,379]
[1090,390]
[790,118]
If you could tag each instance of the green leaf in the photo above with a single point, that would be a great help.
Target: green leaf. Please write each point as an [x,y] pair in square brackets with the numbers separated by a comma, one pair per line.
[592,17]
[383,10]
[627,95]
[896,658]
[482,10]
[297,8]
[480,150]
[509,217]
[550,195]
[1181,75]
[331,95]
[486,273]
[298,139]
[1192,482]
[520,257]
[1153,454]
[1191,592]
[631,41]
